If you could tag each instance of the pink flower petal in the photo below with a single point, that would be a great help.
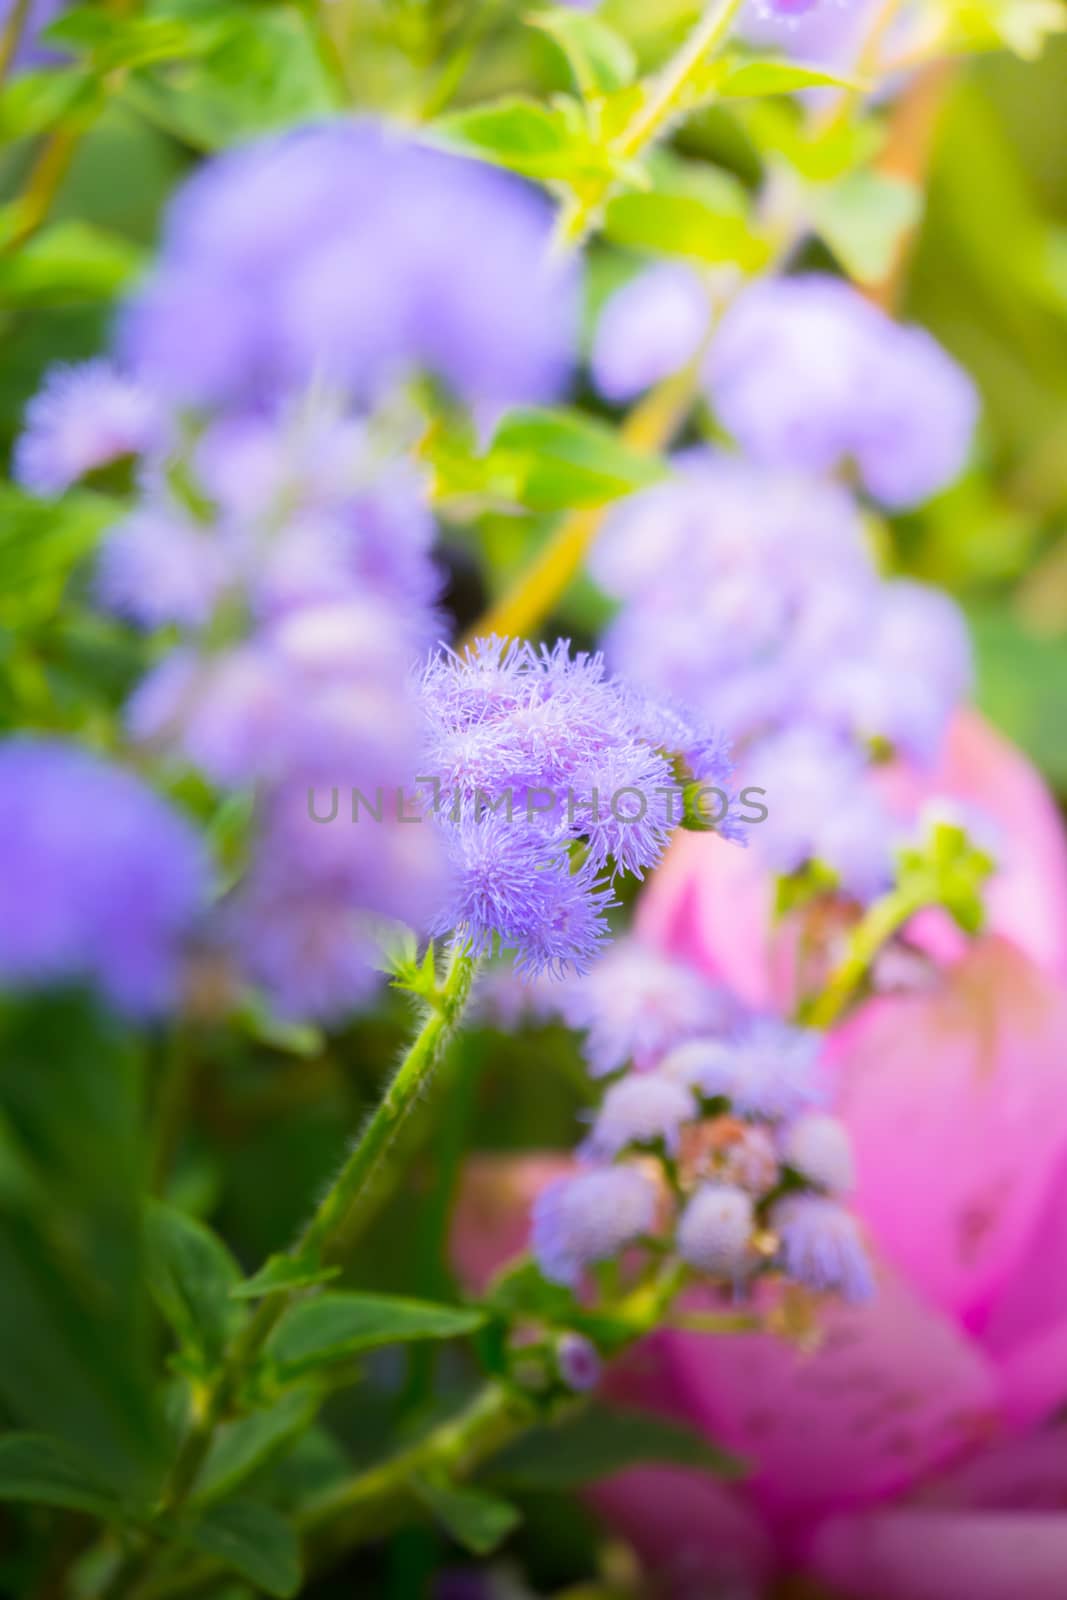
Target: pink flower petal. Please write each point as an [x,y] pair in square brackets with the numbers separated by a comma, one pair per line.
[893,1390]
[956,1100]
[928,1555]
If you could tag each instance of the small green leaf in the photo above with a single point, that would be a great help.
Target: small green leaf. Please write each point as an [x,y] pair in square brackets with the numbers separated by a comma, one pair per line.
[477,1521]
[282,1273]
[683,225]
[243,1447]
[254,1540]
[599,1441]
[863,217]
[115,40]
[600,59]
[747,79]
[41,545]
[523,1291]
[335,1327]
[561,459]
[42,1470]
[35,101]
[68,261]
[520,134]
[191,1275]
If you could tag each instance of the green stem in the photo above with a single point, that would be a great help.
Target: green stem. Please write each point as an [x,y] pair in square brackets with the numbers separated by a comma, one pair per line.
[11,37]
[874,930]
[652,118]
[172,1101]
[325,1238]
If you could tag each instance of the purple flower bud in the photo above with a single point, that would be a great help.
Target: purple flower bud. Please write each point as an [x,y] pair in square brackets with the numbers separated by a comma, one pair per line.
[818,1147]
[715,1229]
[821,1247]
[644,1108]
[579,1221]
[578,1362]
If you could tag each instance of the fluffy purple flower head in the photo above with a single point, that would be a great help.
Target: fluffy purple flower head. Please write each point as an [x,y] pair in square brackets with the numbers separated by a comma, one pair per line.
[637,1004]
[819,1148]
[715,1230]
[83,418]
[541,761]
[822,807]
[808,375]
[742,589]
[649,329]
[388,257]
[821,1247]
[514,888]
[643,1108]
[101,883]
[589,1218]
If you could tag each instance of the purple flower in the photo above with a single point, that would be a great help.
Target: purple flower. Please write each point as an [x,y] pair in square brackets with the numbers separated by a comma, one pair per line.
[742,589]
[30,51]
[578,1362]
[83,418]
[808,375]
[821,807]
[818,1147]
[649,329]
[550,778]
[912,671]
[389,256]
[160,566]
[821,1247]
[644,1108]
[637,1004]
[514,888]
[101,882]
[579,1221]
[766,1069]
[715,1230]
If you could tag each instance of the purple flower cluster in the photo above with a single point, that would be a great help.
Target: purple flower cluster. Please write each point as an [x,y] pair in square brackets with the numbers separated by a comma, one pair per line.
[550,779]
[348,254]
[282,530]
[102,882]
[806,374]
[718,1140]
[753,596]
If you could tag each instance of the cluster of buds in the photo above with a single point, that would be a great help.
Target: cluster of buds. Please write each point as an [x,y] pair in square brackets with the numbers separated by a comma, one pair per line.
[721,1158]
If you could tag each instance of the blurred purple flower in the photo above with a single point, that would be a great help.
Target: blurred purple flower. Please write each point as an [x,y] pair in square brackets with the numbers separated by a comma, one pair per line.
[588,1218]
[81,419]
[388,256]
[101,879]
[649,329]
[808,375]
[822,1248]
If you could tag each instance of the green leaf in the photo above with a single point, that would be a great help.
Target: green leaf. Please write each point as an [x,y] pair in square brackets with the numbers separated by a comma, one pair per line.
[243,1447]
[335,1327]
[477,1521]
[68,261]
[599,1441]
[282,1273]
[74,1347]
[683,225]
[42,1470]
[522,135]
[600,59]
[41,545]
[114,40]
[32,102]
[561,459]
[863,218]
[191,1275]
[254,1540]
[747,79]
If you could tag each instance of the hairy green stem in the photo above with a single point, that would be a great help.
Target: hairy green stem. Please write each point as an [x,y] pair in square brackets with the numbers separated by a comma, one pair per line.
[324,1239]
